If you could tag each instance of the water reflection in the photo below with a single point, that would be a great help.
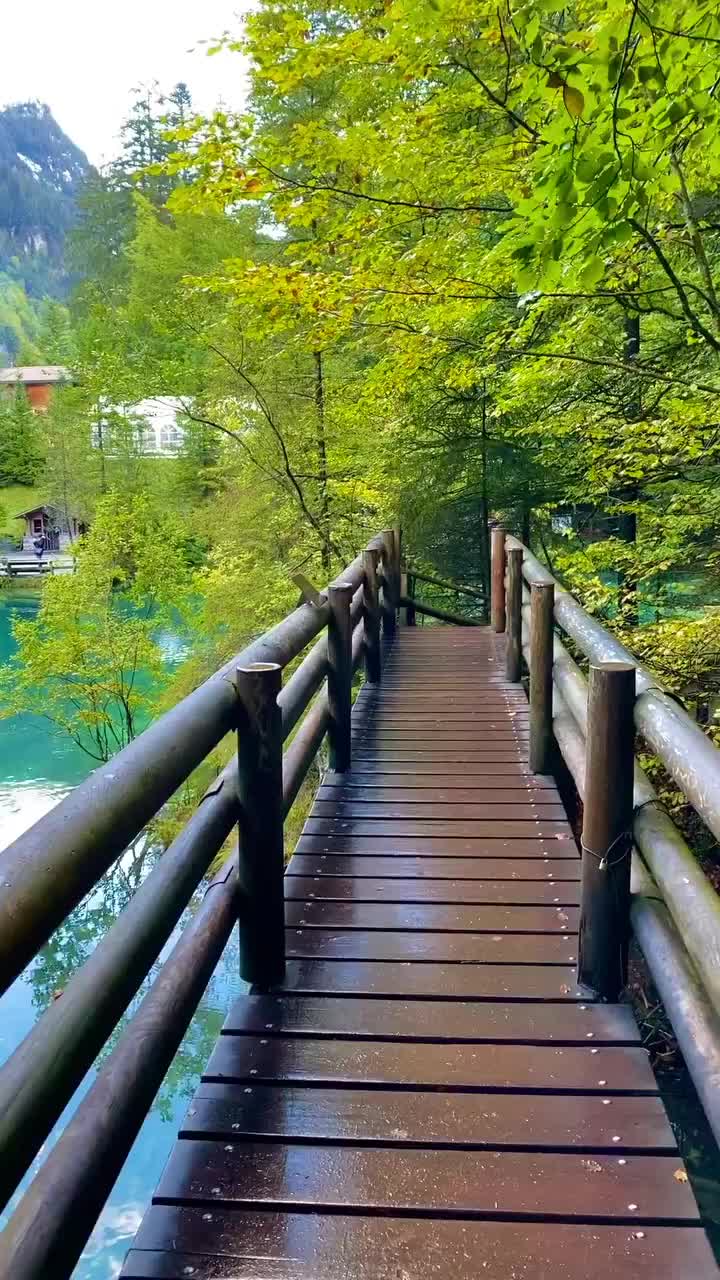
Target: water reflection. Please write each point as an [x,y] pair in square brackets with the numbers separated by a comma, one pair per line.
[44,981]
[38,768]
[22,803]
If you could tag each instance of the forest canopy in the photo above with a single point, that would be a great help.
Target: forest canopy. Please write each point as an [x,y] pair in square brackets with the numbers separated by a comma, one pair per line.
[451,261]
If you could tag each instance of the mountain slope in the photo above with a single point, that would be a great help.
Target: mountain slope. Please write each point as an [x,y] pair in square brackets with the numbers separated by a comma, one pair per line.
[41,172]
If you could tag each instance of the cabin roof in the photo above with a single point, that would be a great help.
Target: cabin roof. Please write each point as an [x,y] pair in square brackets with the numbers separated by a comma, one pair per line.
[34,375]
[45,509]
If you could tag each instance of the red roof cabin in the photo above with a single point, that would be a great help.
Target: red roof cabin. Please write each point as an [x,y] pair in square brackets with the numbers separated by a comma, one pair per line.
[38,381]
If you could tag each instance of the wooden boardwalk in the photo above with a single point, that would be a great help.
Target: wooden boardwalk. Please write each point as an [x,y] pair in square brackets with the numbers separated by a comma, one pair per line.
[430,1095]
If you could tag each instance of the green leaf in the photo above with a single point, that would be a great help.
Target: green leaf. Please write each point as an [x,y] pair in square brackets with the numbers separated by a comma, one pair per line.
[574,101]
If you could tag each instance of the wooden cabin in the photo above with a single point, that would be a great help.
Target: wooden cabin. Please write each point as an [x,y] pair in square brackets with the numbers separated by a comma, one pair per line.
[58,529]
[37,380]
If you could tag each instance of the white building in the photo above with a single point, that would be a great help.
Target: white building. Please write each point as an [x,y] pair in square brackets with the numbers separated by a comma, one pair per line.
[153,426]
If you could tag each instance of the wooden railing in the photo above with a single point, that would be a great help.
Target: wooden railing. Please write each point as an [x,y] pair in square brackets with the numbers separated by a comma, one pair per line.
[673,909]
[669,902]
[49,869]
[409,601]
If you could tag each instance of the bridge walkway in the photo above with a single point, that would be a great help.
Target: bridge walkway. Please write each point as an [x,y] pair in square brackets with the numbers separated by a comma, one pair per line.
[429,1094]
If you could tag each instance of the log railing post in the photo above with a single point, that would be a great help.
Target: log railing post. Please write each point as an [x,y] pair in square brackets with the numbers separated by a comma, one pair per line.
[262,862]
[607,830]
[371,611]
[542,604]
[397,562]
[410,616]
[339,680]
[513,610]
[389,598]
[497,581]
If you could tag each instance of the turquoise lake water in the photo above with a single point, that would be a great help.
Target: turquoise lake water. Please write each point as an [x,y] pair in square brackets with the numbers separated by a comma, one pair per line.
[37,768]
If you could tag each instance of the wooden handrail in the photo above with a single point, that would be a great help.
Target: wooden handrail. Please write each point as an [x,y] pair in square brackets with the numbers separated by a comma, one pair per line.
[443,582]
[457,619]
[676,916]
[41,1075]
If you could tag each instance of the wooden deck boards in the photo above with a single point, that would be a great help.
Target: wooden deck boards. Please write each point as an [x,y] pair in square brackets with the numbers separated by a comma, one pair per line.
[430,1094]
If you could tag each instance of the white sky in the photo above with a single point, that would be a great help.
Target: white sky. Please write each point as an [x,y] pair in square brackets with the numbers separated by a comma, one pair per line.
[83,57]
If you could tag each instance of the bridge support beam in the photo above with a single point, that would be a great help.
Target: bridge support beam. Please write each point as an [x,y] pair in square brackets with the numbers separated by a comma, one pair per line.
[262,862]
[607,830]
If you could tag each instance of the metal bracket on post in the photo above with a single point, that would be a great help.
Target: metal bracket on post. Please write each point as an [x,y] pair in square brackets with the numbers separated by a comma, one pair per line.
[497,579]
[513,610]
[262,862]
[607,830]
[542,606]
[339,680]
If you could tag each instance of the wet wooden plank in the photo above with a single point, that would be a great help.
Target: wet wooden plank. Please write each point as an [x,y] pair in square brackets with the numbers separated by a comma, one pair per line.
[496,828]
[224,1244]
[495,1184]
[446,846]
[443,846]
[388,791]
[400,1118]
[494,739]
[429,728]
[433,981]
[426,782]
[349,806]
[486,759]
[597,1069]
[430,916]
[397,1019]
[446,948]
[441,705]
[369,889]
[474,705]
[480,723]
[396,865]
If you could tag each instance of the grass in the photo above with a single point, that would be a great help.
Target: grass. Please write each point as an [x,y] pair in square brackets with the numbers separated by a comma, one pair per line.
[14,498]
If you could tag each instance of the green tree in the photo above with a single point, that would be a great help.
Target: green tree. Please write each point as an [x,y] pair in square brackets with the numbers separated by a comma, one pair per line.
[21,455]
[520,200]
[88,660]
[72,477]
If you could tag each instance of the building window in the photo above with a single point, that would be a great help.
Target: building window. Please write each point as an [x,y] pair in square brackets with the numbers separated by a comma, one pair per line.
[170,438]
[561,524]
[37,524]
[146,439]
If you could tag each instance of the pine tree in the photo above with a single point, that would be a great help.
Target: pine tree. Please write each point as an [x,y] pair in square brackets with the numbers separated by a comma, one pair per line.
[21,456]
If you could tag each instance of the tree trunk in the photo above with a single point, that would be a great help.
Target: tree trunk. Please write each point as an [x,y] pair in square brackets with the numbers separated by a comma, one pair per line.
[698,245]
[484,506]
[101,451]
[627,582]
[321,448]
